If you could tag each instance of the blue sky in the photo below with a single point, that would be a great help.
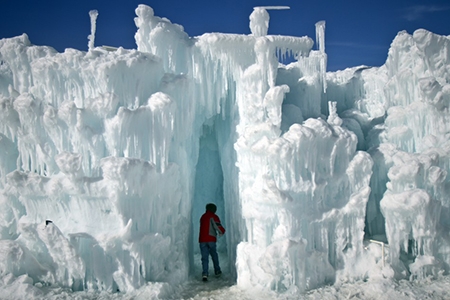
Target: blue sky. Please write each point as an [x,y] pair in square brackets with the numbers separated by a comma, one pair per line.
[357,32]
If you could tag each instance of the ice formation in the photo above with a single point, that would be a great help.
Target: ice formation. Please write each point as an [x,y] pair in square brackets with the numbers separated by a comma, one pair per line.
[93,15]
[107,159]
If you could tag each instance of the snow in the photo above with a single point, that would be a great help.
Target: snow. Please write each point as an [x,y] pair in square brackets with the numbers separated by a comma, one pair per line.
[330,184]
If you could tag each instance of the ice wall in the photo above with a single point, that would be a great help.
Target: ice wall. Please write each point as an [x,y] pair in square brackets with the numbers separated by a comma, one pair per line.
[307,164]
[91,155]
[417,124]
[402,109]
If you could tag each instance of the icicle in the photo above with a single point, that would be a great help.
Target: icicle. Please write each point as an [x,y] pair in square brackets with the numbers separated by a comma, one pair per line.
[320,40]
[93,14]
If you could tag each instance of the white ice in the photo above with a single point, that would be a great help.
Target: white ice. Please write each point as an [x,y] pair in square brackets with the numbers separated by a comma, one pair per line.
[93,15]
[330,184]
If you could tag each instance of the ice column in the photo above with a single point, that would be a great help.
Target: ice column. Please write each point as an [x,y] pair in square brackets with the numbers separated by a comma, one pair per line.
[320,35]
[320,40]
[93,14]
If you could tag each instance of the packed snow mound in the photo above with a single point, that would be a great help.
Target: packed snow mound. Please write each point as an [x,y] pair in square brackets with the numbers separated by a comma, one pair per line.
[107,159]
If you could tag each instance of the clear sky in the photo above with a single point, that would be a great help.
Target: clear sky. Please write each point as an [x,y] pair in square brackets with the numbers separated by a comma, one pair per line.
[358,32]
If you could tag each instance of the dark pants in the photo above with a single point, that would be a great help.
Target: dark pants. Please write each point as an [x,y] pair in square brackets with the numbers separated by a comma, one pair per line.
[207,249]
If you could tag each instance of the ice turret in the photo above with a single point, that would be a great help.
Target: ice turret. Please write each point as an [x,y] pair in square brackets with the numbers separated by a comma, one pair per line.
[259,19]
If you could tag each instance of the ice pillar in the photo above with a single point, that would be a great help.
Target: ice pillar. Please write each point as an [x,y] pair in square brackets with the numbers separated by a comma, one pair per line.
[93,14]
[320,40]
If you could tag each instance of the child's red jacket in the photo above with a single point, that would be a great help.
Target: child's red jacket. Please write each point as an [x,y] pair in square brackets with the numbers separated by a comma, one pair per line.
[209,227]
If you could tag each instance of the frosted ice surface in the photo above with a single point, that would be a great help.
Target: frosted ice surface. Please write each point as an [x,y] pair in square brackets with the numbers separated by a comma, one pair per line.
[121,150]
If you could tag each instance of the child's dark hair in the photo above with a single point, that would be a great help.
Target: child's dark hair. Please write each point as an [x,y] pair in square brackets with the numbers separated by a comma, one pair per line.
[211,207]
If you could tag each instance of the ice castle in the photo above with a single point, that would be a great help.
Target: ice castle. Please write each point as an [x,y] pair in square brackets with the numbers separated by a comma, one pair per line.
[108,157]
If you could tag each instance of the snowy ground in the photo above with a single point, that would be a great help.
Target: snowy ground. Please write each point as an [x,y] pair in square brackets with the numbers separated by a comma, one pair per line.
[224,288]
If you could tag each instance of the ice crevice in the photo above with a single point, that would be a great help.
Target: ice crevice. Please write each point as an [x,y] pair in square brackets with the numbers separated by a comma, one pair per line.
[121,150]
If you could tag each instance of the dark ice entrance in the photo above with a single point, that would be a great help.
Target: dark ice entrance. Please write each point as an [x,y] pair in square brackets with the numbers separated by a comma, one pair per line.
[208,189]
